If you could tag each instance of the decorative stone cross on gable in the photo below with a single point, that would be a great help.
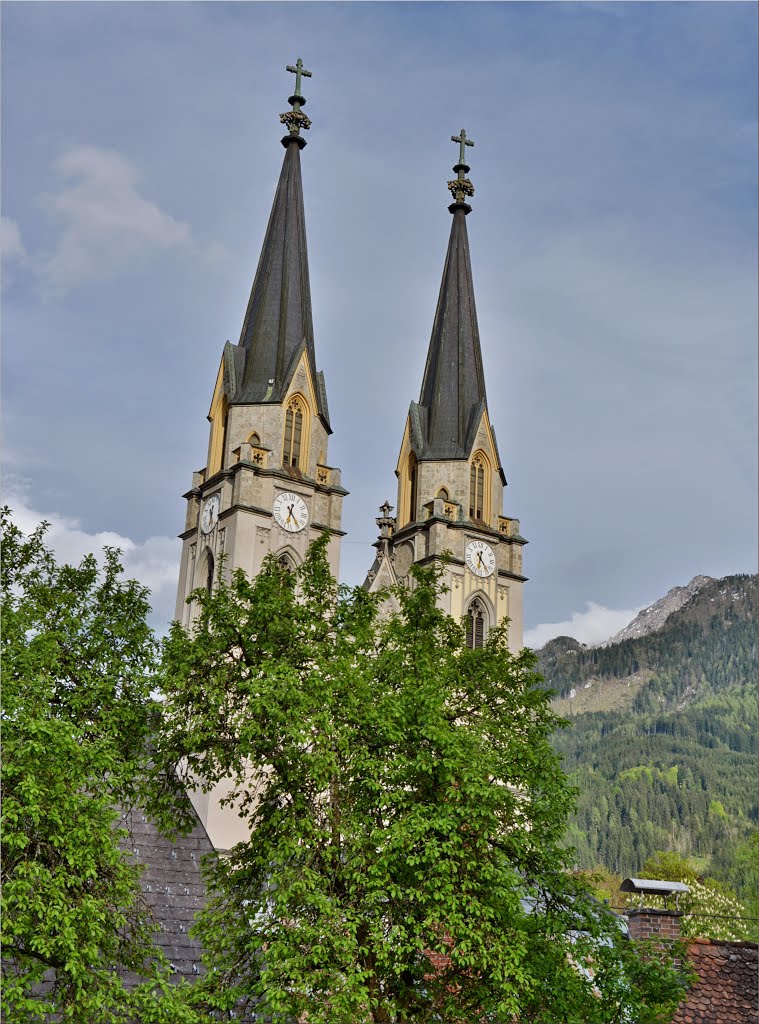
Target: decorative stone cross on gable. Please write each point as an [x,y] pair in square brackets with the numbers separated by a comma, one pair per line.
[386,524]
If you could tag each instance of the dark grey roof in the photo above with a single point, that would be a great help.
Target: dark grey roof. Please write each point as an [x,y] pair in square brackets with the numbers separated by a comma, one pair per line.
[452,398]
[278,323]
[172,886]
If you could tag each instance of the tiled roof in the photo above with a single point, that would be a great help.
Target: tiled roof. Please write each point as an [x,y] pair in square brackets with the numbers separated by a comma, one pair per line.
[726,990]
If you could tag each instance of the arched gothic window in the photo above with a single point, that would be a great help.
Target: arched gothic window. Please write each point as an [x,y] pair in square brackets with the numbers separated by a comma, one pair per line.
[476,625]
[255,440]
[294,430]
[209,572]
[477,509]
[286,566]
[443,493]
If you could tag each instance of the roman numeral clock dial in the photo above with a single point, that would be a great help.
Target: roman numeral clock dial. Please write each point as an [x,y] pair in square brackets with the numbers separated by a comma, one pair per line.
[480,558]
[210,516]
[290,512]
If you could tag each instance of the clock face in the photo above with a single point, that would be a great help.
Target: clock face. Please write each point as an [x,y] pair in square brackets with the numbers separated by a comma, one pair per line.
[290,511]
[480,558]
[210,516]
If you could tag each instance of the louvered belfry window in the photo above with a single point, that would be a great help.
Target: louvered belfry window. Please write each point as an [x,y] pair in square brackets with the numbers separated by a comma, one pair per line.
[475,625]
[477,488]
[293,433]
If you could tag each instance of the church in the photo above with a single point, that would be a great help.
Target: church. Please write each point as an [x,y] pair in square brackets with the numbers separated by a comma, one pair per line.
[267,487]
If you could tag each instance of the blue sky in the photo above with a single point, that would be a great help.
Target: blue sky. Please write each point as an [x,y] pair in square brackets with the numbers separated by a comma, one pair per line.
[613,243]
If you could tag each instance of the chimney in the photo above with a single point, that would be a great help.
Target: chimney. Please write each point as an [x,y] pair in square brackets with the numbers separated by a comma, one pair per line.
[654,923]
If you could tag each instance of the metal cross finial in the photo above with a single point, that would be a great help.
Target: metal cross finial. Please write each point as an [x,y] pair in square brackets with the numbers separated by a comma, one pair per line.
[461,187]
[463,141]
[295,119]
[298,70]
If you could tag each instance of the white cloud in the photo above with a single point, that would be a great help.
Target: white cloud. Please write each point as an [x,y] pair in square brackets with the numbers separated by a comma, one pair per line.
[108,226]
[591,627]
[154,561]
[11,246]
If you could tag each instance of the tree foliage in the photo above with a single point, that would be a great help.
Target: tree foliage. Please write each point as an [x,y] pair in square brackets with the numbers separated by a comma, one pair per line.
[77,714]
[406,816]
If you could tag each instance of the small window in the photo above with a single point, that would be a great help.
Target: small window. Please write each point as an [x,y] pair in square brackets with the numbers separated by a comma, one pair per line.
[443,493]
[475,625]
[291,455]
[209,573]
[255,440]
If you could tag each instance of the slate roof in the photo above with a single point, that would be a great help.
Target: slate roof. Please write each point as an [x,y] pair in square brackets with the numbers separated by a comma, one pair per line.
[727,988]
[452,398]
[173,888]
[278,324]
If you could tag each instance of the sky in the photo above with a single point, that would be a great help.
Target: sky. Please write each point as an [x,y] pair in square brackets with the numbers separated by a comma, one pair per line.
[613,241]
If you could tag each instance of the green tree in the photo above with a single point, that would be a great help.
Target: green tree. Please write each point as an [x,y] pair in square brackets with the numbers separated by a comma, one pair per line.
[77,713]
[406,816]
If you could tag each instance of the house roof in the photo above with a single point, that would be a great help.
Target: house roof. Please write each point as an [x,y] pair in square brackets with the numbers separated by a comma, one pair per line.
[173,888]
[726,990]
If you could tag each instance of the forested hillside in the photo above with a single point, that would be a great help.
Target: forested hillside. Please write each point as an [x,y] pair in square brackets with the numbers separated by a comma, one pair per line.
[662,745]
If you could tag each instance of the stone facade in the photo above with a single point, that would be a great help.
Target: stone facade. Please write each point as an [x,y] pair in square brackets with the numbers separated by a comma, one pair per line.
[251,476]
[437,529]
[450,479]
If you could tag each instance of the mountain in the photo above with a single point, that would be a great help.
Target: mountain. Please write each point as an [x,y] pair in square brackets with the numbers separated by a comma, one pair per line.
[652,618]
[662,740]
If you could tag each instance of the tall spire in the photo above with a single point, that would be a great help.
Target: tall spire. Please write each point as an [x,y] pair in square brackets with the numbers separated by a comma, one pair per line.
[278,324]
[453,398]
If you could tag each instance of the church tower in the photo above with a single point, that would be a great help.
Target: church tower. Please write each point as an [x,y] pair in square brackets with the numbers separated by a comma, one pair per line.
[450,478]
[267,486]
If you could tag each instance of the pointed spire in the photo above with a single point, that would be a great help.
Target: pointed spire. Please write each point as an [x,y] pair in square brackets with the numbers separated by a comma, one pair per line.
[453,397]
[278,324]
